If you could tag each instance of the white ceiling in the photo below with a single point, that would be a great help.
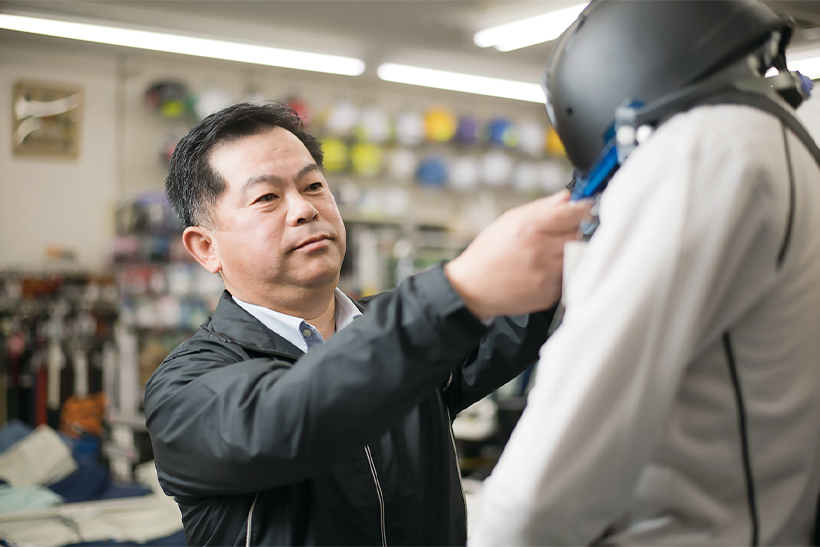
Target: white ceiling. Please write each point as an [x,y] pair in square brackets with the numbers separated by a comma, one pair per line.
[432,33]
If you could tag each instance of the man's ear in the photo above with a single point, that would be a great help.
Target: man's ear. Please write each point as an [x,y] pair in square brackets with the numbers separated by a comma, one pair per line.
[201,244]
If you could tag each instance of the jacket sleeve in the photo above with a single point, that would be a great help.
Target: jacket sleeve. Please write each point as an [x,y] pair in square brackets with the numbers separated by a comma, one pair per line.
[221,423]
[509,347]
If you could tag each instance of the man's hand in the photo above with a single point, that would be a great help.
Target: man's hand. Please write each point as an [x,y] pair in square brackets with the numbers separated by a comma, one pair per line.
[514,266]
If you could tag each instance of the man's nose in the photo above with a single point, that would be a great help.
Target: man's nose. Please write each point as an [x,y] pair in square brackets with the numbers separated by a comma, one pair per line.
[300,210]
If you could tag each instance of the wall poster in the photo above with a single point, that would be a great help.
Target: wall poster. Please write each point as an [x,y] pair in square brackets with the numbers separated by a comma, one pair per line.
[46,119]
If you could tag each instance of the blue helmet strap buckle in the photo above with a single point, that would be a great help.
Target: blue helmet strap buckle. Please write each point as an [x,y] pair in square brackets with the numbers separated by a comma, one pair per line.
[601,171]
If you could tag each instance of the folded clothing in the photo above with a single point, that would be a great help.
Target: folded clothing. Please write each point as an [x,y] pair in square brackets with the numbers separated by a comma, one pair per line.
[40,458]
[13,432]
[21,498]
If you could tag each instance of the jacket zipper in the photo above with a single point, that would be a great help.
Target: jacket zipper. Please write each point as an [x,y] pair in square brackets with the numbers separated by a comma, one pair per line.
[366,448]
[378,492]
[250,522]
[458,466]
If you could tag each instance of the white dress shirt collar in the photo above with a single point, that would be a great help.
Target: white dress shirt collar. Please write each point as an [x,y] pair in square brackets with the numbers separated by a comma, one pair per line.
[296,330]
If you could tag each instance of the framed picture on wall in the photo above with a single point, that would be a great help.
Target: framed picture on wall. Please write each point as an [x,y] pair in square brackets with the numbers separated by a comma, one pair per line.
[46,119]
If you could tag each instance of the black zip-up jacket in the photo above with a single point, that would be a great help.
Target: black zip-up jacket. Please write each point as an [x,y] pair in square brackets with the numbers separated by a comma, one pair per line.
[350,444]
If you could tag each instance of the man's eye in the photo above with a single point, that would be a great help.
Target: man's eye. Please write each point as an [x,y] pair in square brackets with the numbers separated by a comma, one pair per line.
[267,197]
[315,186]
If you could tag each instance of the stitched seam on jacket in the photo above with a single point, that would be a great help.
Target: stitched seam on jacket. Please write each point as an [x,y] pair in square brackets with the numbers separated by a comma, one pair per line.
[744,440]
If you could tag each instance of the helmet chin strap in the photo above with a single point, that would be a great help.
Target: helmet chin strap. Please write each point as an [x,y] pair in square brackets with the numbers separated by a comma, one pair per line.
[599,174]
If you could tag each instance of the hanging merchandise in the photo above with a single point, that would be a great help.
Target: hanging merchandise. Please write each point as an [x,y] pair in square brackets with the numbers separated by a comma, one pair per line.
[302,109]
[18,395]
[168,311]
[347,193]
[180,278]
[502,132]
[56,360]
[335,154]
[409,128]
[211,100]
[52,337]
[38,366]
[554,145]
[396,201]
[439,125]
[496,168]
[367,159]
[342,118]
[168,98]
[149,213]
[531,138]
[432,172]
[82,415]
[553,176]
[374,126]
[168,147]
[467,130]
[404,255]
[464,174]
[124,249]
[136,279]
[401,164]
[525,178]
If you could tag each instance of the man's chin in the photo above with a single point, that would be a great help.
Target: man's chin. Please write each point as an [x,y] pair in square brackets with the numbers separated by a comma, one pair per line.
[320,278]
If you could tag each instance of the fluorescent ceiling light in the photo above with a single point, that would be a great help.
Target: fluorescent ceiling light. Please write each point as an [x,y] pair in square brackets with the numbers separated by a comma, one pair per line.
[185,45]
[528,32]
[467,83]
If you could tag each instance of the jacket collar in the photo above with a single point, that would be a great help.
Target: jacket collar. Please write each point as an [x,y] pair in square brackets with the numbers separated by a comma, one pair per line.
[236,325]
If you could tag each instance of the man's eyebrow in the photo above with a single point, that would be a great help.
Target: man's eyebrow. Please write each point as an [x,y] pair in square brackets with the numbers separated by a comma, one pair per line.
[268,177]
[309,168]
[253,181]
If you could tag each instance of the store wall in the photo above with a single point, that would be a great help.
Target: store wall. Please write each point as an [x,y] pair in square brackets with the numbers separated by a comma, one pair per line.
[70,204]
[64,203]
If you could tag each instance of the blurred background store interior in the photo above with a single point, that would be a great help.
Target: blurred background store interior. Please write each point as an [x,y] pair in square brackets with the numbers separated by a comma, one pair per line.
[95,288]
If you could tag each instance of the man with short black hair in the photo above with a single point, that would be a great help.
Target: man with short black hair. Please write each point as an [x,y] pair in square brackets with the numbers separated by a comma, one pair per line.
[293,418]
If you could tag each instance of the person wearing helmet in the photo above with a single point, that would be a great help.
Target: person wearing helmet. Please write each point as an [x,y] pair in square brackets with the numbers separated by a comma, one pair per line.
[679,400]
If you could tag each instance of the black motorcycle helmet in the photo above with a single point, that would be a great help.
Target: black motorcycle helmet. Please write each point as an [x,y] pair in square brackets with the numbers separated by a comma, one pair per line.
[622,51]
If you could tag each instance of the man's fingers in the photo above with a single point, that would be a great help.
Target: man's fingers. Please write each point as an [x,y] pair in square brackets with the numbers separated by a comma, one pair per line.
[557,215]
[560,197]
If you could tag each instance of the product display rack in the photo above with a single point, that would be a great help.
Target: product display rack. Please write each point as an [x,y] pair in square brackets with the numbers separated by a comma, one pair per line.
[57,331]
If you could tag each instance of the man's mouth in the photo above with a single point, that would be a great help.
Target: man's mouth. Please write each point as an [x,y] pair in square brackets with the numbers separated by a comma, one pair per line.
[313,243]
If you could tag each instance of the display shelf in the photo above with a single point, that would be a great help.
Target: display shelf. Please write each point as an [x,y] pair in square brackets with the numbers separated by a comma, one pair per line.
[56,329]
